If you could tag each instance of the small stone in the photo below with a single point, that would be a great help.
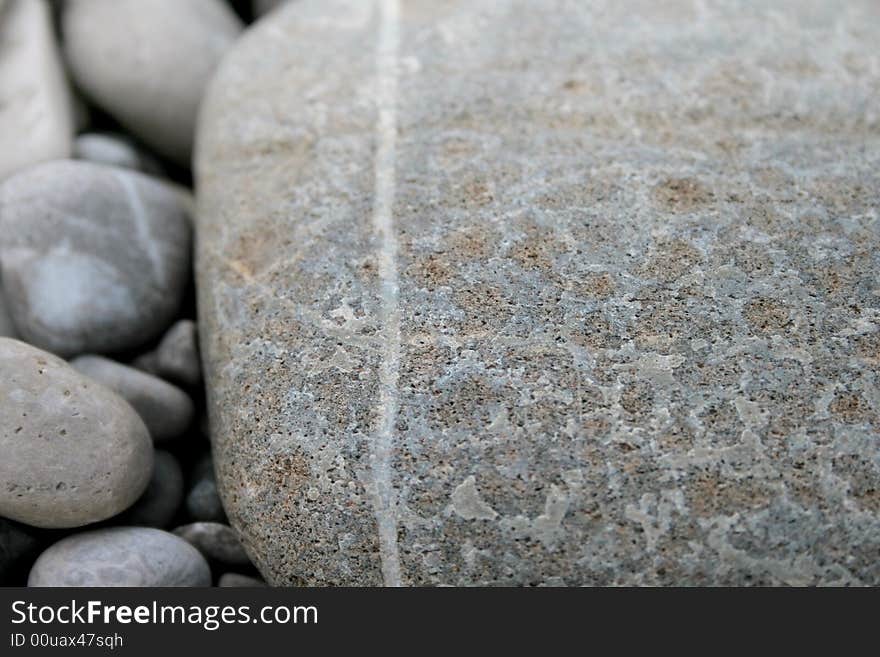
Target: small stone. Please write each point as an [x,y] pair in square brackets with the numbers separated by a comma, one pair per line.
[165,409]
[94,258]
[73,452]
[17,544]
[35,107]
[203,501]
[178,354]
[121,556]
[163,497]
[147,362]
[236,580]
[147,63]
[216,541]
[114,150]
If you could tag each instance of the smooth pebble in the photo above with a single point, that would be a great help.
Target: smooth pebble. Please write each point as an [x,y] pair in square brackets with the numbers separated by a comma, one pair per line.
[178,354]
[165,409]
[147,63]
[114,150]
[73,452]
[203,501]
[36,112]
[121,556]
[94,258]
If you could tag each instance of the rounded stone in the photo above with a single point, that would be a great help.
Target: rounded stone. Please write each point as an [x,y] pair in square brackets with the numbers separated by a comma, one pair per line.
[203,501]
[94,258]
[36,111]
[160,503]
[215,541]
[592,305]
[178,354]
[147,362]
[114,150]
[73,451]
[147,63]
[165,409]
[121,556]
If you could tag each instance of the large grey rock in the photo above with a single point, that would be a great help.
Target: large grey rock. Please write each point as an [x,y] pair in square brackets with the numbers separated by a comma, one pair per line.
[165,409]
[94,258]
[147,63]
[504,292]
[73,452]
[36,112]
[121,556]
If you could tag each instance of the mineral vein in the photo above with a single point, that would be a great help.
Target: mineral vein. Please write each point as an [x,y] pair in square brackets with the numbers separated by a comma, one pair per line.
[383,227]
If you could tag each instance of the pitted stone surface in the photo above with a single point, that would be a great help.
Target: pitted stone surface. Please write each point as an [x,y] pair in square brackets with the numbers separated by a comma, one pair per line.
[500,292]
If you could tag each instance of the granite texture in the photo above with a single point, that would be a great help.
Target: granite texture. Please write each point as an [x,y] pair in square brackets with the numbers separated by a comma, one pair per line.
[504,292]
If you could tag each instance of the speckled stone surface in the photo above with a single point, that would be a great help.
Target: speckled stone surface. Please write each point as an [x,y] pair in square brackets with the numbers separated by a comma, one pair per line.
[499,292]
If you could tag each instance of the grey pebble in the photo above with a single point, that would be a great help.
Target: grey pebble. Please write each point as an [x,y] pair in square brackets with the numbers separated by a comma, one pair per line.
[163,54]
[236,580]
[203,501]
[163,497]
[94,258]
[215,541]
[114,150]
[73,452]
[147,362]
[178,354]
[36,111]
[121,556]
[165,409]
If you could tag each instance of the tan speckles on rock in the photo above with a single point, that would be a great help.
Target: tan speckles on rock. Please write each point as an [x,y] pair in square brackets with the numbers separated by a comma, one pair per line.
[634,256]
[766,315]
[852,408]
[682,195]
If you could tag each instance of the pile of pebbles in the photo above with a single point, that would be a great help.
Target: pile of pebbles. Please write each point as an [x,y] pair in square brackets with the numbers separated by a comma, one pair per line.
[106,476]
